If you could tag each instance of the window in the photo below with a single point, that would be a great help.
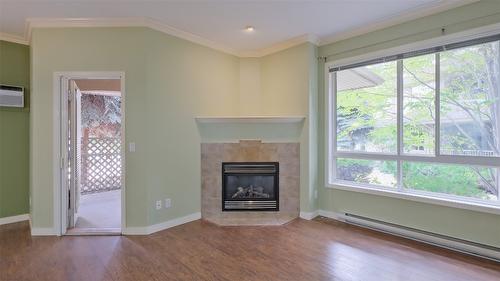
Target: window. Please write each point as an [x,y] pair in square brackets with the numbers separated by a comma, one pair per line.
[425,123]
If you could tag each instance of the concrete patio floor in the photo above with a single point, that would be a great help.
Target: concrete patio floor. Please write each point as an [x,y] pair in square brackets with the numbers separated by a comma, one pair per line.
[100,211]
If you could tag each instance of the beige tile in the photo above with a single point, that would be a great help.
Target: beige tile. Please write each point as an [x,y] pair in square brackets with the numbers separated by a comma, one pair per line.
[250,151]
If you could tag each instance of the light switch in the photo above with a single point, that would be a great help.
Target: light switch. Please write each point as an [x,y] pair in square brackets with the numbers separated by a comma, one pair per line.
[131,147]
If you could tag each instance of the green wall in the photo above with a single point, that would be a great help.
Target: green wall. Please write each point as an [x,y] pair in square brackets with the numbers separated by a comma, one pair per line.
[465,224]
[14,133]
[169,82]
[289,88]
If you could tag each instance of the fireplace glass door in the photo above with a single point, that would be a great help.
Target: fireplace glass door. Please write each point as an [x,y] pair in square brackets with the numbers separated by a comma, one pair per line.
[250,186]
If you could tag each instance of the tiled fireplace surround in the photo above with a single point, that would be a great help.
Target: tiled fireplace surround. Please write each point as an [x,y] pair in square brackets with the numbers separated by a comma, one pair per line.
[212,156]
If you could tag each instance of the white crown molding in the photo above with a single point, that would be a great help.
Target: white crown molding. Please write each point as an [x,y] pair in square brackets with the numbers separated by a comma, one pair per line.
[13,38]
[122,22]
[409,15]
[161,27]
[280,46]
[158,26]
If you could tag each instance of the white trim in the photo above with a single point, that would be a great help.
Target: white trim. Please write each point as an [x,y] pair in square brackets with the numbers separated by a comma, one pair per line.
[13,219]
[331,215]
[56,149]
[43,231]
[329,125]
[437,240]
[123,192]
[437,105]
[32,23]
[102,93]
[309,215]
[59,200]
[250,119]
[412,14]
[161,226]
[491,161]
[13,38]
[280,46]
[164,28]
[475,33]
[435,198]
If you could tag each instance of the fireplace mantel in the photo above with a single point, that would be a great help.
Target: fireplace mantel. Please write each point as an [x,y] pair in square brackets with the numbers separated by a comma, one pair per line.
[250,119]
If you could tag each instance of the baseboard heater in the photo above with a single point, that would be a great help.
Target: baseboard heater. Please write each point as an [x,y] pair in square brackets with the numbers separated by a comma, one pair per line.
[448,242]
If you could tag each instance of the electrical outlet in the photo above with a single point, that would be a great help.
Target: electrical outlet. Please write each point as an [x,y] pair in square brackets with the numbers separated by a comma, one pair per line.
[131,147]
[158,205]
[168,203]
[315,194]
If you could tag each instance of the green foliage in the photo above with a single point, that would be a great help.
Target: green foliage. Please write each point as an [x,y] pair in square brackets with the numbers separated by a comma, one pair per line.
[441,178]
[372,108]
[470,86]
[449,179]
[469,90]
[367,171]
[418,103]
[99,109]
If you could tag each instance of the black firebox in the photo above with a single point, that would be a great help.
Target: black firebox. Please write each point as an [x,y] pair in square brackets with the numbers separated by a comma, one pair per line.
[250,186]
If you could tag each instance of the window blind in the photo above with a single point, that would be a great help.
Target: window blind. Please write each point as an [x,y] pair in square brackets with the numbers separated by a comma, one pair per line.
[419,52]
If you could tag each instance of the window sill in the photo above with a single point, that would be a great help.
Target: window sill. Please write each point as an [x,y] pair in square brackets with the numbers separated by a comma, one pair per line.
[448,202]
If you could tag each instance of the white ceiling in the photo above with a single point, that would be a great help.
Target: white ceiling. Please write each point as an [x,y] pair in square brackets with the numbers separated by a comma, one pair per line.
[277,23]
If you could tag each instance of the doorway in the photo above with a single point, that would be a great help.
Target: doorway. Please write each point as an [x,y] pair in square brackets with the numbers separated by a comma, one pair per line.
[92,137]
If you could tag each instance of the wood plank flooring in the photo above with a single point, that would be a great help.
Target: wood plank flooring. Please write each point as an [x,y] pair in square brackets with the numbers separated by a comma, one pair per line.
[301,250]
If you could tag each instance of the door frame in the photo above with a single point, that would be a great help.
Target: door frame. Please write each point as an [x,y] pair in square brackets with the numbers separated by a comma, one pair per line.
[60,199]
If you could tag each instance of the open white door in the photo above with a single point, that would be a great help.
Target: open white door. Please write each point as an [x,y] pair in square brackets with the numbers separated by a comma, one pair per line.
[73,149]
[100,211]
[78,151]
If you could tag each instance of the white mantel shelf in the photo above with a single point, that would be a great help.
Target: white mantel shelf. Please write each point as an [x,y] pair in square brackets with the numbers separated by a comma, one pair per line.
[251,119]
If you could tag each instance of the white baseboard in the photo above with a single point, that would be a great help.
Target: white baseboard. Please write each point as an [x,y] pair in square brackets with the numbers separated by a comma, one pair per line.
[13,219]
[442,241]
[332,215]
[161,226]
[309,215]
[43,231]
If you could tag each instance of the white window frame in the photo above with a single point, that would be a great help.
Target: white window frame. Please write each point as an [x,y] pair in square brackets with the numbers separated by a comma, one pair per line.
[408,194]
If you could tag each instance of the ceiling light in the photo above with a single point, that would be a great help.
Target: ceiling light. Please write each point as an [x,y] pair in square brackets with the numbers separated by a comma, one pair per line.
[249,28]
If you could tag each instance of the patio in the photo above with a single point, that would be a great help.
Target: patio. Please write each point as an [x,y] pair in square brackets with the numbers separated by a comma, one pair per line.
[100,210]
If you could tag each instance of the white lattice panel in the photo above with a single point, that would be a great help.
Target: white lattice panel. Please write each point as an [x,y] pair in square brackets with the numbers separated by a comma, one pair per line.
[101,165]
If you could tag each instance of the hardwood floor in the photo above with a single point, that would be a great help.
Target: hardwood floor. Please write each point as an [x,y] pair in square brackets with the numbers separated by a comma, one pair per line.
[301,250]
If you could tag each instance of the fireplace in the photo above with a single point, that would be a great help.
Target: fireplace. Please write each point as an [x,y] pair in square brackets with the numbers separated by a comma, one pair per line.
[250,186]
